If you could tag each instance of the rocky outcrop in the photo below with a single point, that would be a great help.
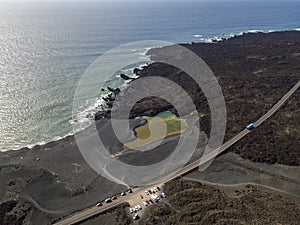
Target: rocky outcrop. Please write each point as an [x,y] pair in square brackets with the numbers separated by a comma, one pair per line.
[13,213]
[115,91]
[125,77]
[137,71]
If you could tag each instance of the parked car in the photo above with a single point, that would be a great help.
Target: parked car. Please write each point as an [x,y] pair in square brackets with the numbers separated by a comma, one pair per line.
[147,193]
[163,195]
[136,208]
[99,204]
[148,202]
[155,198]
[129,190]
[158,188]
[114,197]
[123,193]
[136,216]
[145,203]
[131,210]
[108,200]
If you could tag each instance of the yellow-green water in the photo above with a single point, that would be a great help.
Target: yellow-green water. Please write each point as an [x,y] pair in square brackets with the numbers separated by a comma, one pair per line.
[157,128]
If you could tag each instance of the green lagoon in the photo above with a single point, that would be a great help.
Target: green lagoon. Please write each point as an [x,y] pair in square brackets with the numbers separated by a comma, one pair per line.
[157,128]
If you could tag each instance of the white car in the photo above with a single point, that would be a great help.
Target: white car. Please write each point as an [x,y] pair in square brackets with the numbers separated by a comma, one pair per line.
[155,198]
[145,203]
[131,210]
[147,193]
[163,195]
[139,207]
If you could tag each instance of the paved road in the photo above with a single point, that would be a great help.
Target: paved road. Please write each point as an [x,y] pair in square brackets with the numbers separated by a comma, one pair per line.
[82,215]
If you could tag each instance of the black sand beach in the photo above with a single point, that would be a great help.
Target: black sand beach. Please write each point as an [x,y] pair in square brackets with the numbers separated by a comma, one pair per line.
[42,184]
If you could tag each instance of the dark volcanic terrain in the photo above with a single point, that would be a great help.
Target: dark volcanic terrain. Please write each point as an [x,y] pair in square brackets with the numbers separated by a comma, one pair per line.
[190,202]
[41,185]
[254,71]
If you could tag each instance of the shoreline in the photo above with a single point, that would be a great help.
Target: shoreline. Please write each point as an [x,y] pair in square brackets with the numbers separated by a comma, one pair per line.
[207,41]
[57,177]
[58,141]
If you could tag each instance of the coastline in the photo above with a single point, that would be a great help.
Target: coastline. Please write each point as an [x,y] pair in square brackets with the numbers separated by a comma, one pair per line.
[136,76]
[87,112]
[106,109]
[253,78]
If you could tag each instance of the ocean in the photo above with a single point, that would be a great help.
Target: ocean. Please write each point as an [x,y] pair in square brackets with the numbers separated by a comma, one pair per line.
[45,48]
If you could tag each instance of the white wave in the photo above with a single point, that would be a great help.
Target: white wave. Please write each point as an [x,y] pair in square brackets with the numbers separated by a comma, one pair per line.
[211,40]
[297,29]
[87,116]
[208,40]
[231,35]
[255,31]
[57,138]
[30,146]
[198,35]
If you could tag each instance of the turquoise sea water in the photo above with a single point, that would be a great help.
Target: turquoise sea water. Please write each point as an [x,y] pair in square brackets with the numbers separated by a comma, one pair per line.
[46,47]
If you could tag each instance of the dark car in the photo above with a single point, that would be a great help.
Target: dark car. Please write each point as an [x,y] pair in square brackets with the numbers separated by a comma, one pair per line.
[108,200]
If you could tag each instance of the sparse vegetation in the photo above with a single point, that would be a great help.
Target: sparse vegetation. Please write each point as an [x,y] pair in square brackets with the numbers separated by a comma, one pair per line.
[190,202]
